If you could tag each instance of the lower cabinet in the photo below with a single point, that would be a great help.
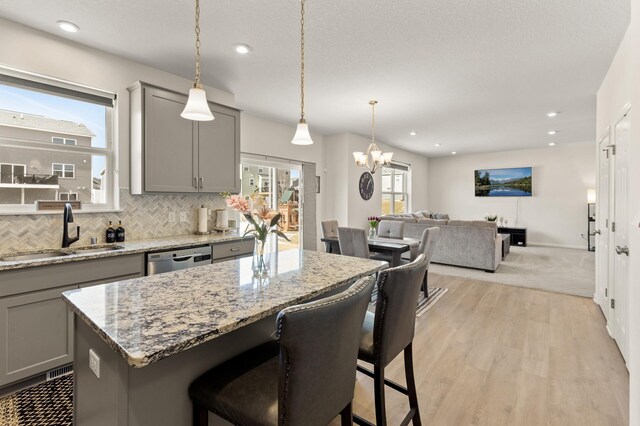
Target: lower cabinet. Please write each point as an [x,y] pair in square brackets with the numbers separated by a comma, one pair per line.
[36,326]
[36,334]
[232,250]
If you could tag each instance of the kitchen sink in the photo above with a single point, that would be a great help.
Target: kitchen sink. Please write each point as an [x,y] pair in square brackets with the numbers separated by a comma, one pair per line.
[34,256]
[90,250]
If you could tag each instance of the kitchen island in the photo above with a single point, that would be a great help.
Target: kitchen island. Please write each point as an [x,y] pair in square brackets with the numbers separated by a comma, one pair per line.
[154,335]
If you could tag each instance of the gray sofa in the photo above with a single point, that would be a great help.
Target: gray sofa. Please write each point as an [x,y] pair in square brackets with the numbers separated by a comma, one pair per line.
[468,243]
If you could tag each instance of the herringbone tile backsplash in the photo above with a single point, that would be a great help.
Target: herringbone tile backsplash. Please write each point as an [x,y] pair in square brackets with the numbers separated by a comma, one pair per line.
[142,216]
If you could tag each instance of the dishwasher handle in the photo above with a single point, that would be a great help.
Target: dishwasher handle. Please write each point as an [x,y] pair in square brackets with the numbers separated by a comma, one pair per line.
[184,258]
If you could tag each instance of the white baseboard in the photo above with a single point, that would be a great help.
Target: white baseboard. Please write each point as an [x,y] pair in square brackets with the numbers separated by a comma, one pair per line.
[557,246]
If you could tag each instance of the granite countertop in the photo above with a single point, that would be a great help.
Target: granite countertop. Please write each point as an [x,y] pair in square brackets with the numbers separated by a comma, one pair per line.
[151,318]
[129,247]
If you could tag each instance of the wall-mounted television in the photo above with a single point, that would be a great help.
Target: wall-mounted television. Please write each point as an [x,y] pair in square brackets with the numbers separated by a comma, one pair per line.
[513,182]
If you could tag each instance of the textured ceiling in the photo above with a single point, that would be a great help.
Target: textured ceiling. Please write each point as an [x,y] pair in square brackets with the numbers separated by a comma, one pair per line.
[471,75]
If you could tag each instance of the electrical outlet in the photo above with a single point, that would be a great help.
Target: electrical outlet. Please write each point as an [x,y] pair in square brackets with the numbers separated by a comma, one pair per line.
[94,363]
[172,217]
[183,217]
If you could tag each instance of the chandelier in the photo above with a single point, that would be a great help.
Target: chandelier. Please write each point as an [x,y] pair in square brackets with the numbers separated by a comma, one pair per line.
[197,107]
[374,157]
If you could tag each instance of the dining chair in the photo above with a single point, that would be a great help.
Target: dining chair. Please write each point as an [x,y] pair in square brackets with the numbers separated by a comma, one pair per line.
[330,230]
[389,331]
[306,377]
[353,242]
[427,246]
[391,229]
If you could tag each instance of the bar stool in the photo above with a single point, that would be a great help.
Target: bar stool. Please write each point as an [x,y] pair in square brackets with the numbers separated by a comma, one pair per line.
[390,331]
[306,377]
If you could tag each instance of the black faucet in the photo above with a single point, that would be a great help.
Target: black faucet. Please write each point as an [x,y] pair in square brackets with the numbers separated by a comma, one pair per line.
[67,218]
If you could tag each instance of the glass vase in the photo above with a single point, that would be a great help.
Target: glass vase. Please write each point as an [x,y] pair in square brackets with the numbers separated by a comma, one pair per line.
[372,231]
[261,257]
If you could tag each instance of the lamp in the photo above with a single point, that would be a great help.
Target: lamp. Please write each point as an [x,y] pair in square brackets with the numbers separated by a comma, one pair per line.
[197,108]
[591,196]
[302,136]
[378,158]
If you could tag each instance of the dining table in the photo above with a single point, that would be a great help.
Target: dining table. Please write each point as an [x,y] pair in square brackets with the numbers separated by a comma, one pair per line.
[391,247]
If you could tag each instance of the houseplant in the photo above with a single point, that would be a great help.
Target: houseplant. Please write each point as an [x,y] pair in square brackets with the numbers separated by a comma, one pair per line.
[373,225]
[263,222]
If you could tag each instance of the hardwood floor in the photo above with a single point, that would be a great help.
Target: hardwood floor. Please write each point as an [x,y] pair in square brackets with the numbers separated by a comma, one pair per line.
[492,354]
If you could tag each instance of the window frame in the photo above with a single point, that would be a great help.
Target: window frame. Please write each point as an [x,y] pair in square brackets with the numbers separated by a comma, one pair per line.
[63,88]
[69,194]
[63,170]
[406,171]
[64,141]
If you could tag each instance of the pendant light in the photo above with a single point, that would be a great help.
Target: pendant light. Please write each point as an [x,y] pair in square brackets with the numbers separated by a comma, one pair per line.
[302,136]
[197,108]
[378,158]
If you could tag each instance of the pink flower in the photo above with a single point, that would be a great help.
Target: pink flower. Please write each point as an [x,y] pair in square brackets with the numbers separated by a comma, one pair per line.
[265,213]
[238,203]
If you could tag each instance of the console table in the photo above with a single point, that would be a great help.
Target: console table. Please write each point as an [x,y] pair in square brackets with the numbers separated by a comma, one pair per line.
[518,235]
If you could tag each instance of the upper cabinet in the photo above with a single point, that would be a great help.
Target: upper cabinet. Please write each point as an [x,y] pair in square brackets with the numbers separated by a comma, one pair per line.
[172,154]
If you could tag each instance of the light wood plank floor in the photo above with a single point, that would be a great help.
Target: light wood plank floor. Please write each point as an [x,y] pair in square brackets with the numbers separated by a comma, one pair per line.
[492,354]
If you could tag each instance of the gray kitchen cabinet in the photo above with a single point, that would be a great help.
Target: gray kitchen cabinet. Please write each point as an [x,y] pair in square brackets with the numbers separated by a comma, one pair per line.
[172,154]
[232,250]
[36,333]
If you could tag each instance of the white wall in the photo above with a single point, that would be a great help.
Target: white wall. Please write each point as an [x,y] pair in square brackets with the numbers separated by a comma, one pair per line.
[621,86]
[555,215]
[342,176]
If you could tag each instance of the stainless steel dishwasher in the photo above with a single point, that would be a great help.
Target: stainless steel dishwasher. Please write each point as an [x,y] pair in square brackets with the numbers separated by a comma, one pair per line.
[174,260]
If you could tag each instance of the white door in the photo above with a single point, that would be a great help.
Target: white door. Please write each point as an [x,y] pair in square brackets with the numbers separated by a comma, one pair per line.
[620,291]
[603,235]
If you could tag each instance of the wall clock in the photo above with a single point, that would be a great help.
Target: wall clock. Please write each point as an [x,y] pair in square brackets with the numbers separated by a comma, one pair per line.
[366,186]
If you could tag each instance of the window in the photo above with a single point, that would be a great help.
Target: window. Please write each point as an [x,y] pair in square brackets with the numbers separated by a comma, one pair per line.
[64,141]
[395,192]
[12,173]
[68,196]
[56,143]
[65,171]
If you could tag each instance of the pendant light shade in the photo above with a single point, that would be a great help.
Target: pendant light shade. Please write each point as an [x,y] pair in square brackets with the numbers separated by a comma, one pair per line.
[197,108]
[302,136]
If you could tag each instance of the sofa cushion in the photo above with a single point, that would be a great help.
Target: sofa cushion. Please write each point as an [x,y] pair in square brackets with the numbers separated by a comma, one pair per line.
[475,223]
[433,222]
[443,216]
[423,214]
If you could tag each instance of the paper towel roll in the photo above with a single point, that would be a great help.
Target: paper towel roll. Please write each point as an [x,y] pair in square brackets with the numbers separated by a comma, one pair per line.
[203,217]
[222,218]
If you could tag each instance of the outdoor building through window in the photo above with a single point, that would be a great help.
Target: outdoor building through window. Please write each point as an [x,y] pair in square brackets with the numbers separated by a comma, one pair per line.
[56,143]
[395,192]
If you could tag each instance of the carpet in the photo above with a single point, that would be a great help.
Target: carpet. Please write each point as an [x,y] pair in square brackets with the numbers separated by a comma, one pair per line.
[45,404]
[559,270]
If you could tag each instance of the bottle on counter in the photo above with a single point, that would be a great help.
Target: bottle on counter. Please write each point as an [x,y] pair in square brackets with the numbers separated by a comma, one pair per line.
[111,234]
[120,233]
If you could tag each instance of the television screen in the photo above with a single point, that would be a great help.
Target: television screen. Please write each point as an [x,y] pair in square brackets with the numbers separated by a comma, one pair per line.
[515,182]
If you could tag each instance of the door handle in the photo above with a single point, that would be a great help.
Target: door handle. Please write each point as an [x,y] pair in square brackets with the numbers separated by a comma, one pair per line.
[201,183]
[195,182]
[597,232]
[622,250]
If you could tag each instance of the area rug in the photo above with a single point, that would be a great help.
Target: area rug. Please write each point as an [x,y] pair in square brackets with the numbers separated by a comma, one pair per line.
[46,404]
[424,304]
[559,270]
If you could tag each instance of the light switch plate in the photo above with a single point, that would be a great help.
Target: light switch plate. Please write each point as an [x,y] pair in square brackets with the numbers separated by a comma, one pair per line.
[183,217]
[94,363]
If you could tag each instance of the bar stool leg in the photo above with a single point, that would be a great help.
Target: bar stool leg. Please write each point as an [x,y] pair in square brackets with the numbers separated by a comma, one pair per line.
[346,415]
[200,415]
[411,384]
[381,415]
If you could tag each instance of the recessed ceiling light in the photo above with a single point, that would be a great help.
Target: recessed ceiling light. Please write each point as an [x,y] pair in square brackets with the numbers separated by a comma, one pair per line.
[437,144]
[453,153]
[552,114]
[412,133]
[552,144]
[552,132]
[242,49]
[69,27]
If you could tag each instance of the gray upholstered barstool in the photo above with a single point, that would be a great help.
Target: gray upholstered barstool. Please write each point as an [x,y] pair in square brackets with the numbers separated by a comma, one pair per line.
[427,247]
[306,377]
[390,331]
